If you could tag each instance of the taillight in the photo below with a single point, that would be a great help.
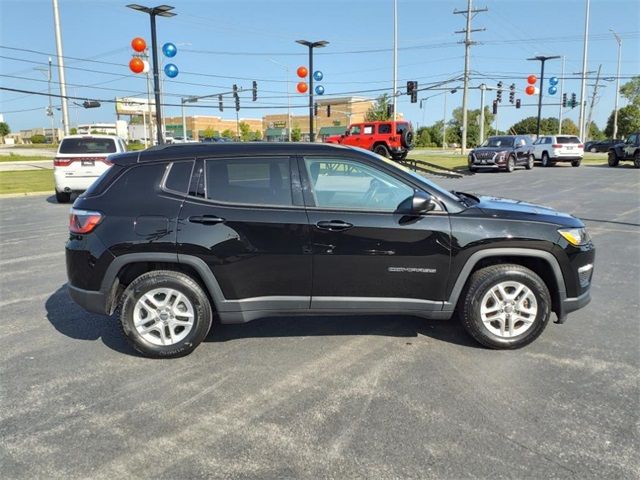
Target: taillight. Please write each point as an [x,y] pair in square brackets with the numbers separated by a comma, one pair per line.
[83,221]
[62,162]
[106,161]
[556,145]
[581,146]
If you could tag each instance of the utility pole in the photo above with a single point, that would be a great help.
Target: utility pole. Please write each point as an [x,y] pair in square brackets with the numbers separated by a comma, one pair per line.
[561,94]
[587,126]
[583,85]
[395,57]
[469,13]
[60,59]
[615,111]
[482,89]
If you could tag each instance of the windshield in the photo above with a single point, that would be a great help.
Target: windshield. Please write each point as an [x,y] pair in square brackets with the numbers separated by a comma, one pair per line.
[87,145]
[433,186]
[498,142]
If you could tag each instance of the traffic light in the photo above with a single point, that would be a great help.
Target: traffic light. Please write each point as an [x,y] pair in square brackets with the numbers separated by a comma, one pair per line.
[90,104]
[412,90]
[574,100]
[328,110]
[564,100]
[390,110]
[236,97]
[315,109]
[499,93]
[512,93]
[518,102]
[495,107]
[255,90]
[220,106]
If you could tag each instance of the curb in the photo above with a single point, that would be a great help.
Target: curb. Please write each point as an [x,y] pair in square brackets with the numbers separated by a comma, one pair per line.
[25,194]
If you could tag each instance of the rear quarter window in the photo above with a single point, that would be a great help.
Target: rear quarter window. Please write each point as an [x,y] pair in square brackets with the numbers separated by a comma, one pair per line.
[179,176]
[87,146]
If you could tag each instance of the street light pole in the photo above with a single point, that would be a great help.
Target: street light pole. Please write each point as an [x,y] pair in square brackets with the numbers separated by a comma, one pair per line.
[288,98]
[311,46]
[542,59]
[583,85]
[482,89]
[395,58]
[61,77]
[561,96]
[153,12]
[615,111]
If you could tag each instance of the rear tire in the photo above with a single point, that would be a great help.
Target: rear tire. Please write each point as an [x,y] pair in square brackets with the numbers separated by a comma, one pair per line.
[636,160]
[382,150]
[612,159]
[510,322]
[63,197]
[593,149]
[399,157]
[546,162]
[576,163]
[165,314]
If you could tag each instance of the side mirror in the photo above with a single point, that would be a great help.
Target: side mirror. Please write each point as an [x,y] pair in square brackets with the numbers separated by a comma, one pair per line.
[346,133]
[422,203]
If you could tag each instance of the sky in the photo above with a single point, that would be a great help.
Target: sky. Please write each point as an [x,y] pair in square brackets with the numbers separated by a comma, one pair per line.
[225,42]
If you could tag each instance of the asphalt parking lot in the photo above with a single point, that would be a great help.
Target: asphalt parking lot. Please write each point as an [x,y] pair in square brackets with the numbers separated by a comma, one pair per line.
[338,397]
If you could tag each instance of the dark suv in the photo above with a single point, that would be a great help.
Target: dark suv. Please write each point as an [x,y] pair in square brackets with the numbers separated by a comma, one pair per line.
[175,234]
[502,152]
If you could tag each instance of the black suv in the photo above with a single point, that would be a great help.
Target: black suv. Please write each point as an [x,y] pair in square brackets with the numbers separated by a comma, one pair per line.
[627,151]
[502,152]
[175,234]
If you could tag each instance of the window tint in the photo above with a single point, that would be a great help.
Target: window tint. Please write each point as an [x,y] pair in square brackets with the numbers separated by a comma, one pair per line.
[88,145]
[256,181]
[498,142]
[568,139]
[355,130]
[548,140]
[368,129]
[401,127]
[179,176]
[384,128]
[339,183]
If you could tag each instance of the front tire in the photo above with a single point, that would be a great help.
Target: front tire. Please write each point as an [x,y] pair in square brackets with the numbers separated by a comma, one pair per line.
[505,306]
[165,314]
[530,161]
[511,164]
[612,159]
[63,197]
[381,150]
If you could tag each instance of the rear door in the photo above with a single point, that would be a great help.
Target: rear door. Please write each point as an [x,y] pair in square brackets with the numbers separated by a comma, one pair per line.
[245,218]
[570,146]
[365,252]
[368,136]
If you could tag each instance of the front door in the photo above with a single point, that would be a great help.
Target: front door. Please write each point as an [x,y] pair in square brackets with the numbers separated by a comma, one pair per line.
[365,253]
[244,220]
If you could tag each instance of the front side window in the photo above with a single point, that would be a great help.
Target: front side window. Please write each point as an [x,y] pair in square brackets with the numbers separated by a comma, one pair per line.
[348,184]
[354,130]
[255,181]
[631,139]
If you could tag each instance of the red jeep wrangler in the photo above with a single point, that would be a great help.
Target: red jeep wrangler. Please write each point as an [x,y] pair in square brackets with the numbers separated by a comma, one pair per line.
[383,138]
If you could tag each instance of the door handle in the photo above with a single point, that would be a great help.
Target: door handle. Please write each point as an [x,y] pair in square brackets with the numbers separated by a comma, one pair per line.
[206,219]
[333,225]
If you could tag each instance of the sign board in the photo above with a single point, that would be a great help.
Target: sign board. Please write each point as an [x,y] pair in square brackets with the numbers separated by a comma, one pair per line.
[279,124]
[133,106]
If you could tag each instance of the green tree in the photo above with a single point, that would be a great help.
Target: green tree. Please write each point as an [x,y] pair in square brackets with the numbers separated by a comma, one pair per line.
[423,137]
[37,138]
[296,134]
[227,133]
[245,132]
[379,110]
[257,135]
[209,132]
[631,91]
[594,132]
[435,132]
[4,130]
[569,127]
[628,121]
[548,126]
[73,131]
[454,127]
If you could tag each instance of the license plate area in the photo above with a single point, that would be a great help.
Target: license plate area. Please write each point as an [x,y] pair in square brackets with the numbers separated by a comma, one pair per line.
[88,162]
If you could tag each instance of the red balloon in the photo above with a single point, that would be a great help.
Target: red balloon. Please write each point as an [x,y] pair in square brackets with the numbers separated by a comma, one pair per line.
[136,65]
[530,90]
[302,72]
[302,87]
[138,44]
[531,79]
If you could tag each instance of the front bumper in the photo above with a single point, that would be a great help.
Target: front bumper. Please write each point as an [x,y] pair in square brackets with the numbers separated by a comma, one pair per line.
[568,305]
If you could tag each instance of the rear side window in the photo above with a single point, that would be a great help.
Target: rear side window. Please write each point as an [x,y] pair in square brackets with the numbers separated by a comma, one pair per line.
[401,127]
[104,180]
[384,128]
[568,140]
[256,181]
[88,145]
[179,176]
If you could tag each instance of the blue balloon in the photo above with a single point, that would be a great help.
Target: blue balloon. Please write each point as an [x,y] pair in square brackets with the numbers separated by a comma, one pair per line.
[553,90]
[169,50]
[170,70]
[553,80]
[319,90]
[317,75]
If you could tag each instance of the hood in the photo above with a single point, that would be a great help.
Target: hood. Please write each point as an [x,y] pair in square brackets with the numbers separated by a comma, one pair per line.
[516,209]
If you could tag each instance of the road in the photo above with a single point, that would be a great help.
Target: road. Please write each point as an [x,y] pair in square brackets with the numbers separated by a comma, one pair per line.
[337,397]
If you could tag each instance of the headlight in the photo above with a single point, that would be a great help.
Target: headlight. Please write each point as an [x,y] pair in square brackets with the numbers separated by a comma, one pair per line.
[575,236]
[501,156]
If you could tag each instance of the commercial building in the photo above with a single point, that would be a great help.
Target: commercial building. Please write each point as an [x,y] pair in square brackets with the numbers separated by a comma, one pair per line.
[198,124]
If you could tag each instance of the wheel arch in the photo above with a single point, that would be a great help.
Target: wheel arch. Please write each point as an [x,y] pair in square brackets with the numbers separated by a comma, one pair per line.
[543,263]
